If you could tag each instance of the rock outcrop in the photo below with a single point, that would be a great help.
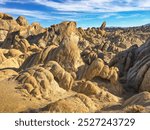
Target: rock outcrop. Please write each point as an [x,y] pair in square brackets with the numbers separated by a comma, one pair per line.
[142,99]
[67,55]
[99,69]
[39,82]
[64,79]
[22,21]
[134,67]
[78,103]
[7,73]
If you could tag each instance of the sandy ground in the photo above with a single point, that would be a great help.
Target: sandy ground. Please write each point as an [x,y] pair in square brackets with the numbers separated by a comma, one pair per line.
[11,100]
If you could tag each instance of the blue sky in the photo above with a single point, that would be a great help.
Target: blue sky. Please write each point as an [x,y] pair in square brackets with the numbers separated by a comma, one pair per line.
[87,13]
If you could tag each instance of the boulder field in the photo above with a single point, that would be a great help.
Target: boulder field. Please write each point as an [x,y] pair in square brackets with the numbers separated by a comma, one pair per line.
[65,68]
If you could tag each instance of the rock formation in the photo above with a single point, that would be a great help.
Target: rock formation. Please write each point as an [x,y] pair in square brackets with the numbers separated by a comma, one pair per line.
[38,82]
[63,68]
[77,103]
[134,67]
[64,79]
[22,21]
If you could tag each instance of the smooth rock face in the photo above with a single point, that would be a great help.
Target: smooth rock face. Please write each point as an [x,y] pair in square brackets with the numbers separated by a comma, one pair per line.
[3,35]
[78,103]
[9,63]
[145,85]
[7,73]
[5,16]
[142,98]
[22,21]
[63,68]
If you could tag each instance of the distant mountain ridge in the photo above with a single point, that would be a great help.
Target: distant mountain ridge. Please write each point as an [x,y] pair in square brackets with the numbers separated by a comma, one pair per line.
[147,24]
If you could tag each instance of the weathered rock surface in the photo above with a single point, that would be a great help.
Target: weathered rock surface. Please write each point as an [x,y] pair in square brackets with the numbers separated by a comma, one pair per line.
[134,65]
[39,82]
[22,21]
[142,98]
[64,79]
[98,68]
[67,55]
[7,73]
[78,103]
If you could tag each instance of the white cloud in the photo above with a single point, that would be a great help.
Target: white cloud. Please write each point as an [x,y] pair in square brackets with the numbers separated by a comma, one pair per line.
[31,13]
[90,5]
[144,3]
[3,1]
[128,16]
[14,1]
[65,6]
[96,5]
[39,15]
[107,15]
